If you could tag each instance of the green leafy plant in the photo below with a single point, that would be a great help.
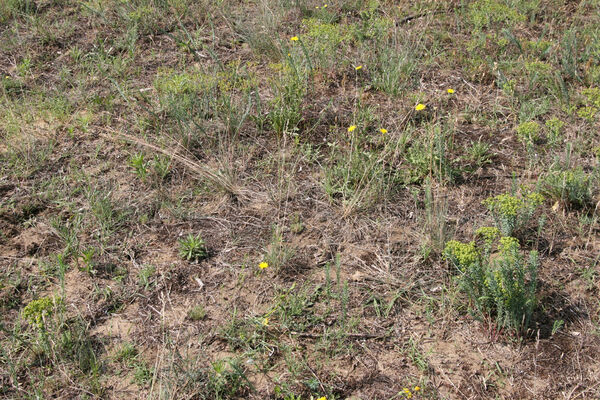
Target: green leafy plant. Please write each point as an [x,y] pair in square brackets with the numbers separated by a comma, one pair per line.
[555,130]
[286,113]
[479,154]
[591,104]
[356,177]
[323,41]
[127,353]
[38,310]
[573,187]
[144,276]
[87,258]
[539,73]
[395,69]
[428,155]
[12,8]
[501,286]
[192,248]
[512,213]
[161,166]
[142,374]
[529,132]
[486,13]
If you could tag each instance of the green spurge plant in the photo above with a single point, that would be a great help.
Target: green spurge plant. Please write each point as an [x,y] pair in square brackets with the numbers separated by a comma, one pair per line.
[529,132]
[512,213]
[500,285]
[35,311]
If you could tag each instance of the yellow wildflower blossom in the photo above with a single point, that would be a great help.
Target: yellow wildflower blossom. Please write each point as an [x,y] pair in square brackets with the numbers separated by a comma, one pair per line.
[265,322]
[294,38]
[417,388]
[383,130]
[450,91]
[263,265]
[420,107]
[358,67]
[351,128]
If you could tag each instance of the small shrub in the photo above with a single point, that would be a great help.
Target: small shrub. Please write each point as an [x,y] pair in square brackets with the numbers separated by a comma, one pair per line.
[512,213]
[192,248]
[501,286]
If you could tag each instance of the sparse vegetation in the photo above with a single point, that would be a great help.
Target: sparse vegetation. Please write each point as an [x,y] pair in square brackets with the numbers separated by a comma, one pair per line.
[290,199]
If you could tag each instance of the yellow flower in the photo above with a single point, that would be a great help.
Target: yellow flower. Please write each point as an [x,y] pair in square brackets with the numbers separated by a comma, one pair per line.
[358,67]
[294,38]
[383,130]
[322,398]
[265,322]
[417,388]
[324,5]
[407,392]
[263,265]
[317,7]
[420,107]
[450,91]
[351,128]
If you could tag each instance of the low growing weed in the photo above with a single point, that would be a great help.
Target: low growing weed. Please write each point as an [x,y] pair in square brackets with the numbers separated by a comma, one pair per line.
[192,248]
